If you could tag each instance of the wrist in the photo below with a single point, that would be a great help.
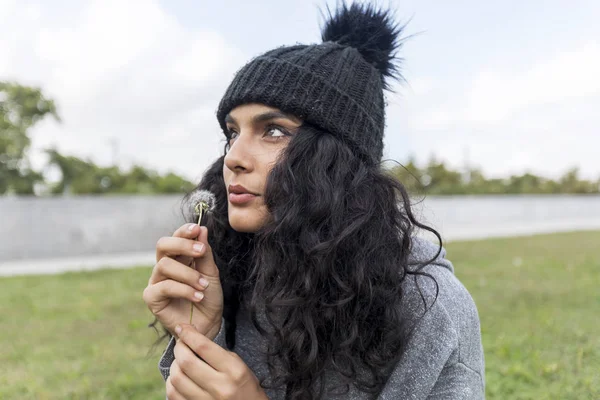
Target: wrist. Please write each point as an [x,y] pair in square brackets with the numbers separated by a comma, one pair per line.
[213,331]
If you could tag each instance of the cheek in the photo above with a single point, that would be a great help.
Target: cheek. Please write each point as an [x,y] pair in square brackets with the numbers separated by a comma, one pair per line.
[248,219]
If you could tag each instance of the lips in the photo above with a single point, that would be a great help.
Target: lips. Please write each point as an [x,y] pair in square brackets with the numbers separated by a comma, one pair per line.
[239,189]
[240,195]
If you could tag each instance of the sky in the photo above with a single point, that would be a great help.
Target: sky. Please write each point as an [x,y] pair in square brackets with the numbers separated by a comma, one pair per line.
[508,87]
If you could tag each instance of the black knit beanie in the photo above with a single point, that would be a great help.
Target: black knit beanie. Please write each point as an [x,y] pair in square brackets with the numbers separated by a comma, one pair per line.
[336,85]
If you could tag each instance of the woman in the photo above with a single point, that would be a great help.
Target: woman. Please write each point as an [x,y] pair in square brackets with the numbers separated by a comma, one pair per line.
[309,282]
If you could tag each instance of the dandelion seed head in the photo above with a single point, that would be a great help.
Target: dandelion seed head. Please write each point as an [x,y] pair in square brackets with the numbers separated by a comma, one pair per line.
[205,196]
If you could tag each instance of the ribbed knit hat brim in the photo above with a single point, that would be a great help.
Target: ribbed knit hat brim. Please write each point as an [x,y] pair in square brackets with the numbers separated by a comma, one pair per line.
[347,102]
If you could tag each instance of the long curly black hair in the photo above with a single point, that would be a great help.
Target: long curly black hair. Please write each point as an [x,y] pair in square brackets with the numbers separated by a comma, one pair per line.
[325,273]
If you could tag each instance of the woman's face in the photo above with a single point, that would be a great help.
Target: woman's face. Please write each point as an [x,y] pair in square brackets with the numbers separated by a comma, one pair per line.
[258,135]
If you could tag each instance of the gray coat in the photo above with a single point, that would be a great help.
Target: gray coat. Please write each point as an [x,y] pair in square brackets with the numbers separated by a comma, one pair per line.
[443,358]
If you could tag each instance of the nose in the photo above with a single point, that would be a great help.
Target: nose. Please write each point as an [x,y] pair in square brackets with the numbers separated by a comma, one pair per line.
[238,157]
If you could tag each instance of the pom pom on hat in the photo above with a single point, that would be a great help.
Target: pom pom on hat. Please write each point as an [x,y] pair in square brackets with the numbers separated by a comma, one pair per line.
[369,30]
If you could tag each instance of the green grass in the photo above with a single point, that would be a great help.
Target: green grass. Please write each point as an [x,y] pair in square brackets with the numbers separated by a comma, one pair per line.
[539,304]
[77,336]
[84,335]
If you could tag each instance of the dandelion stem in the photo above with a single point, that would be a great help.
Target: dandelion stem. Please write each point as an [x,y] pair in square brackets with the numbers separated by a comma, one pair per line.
[200,208]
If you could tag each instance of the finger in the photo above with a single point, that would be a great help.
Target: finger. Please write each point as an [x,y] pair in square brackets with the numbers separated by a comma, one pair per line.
[199,372]
[156,296]
[172,393]
[214,356]
[184,385]
[170,246]
[188,231]
[167,268]
[205,264]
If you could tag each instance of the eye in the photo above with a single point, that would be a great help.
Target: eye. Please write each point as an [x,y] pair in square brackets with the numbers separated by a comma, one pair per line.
[231,134]
[276,132]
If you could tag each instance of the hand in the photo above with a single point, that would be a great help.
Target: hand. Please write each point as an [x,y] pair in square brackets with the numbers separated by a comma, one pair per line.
[173,283]
[220,374]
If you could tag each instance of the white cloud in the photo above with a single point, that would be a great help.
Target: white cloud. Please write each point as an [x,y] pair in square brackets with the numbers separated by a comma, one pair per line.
[540,117]
[496,95]
[421,86]
[124,70]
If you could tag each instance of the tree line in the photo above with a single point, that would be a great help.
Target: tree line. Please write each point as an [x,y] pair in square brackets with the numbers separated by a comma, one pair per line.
[21,107]
[436,178]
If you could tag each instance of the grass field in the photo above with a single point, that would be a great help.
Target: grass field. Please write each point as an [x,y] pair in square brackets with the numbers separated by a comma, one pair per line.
[84,335]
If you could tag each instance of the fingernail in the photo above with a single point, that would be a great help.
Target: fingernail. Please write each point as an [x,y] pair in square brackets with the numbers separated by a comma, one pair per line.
[199,295]
[178,329]
[203,282]
[191,227]
[198,247]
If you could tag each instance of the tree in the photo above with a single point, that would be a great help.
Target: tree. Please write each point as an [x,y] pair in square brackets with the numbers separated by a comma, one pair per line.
[438,179]
[410,175]
[77,176]
[526,183]
[172,183]
[570,183]
[21,107]
[443,180]
[85,177]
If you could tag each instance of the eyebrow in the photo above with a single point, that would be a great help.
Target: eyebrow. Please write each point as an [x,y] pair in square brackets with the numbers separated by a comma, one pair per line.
[264,117]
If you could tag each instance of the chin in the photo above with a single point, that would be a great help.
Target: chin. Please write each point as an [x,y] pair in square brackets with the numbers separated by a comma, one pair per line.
[247,221]
[243,228]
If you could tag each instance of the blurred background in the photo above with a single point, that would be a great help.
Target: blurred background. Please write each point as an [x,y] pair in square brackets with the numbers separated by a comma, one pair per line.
[107,117]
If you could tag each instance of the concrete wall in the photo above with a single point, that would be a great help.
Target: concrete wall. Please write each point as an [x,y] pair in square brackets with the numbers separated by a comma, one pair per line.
[46,228]
[476,217]
[41,228]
